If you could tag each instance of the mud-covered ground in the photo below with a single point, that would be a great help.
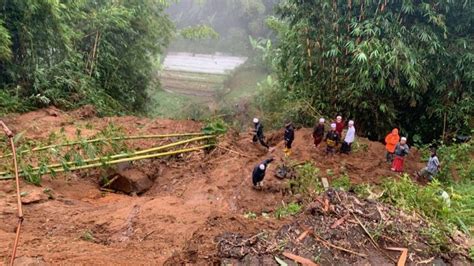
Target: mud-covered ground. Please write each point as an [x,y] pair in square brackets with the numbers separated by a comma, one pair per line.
[195,199]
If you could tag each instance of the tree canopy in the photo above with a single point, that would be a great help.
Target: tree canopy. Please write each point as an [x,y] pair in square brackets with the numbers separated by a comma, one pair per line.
[384,63]
[69,53]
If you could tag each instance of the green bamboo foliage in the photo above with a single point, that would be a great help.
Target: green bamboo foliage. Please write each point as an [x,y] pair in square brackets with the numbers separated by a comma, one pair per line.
[384,63]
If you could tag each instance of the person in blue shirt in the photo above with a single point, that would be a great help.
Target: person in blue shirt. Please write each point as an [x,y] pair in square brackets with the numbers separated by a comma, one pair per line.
[432,167]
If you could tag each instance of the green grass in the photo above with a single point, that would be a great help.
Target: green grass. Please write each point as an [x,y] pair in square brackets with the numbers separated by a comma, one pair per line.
[288,210]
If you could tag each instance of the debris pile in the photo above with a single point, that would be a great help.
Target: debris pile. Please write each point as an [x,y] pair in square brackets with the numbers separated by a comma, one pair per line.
[340,228]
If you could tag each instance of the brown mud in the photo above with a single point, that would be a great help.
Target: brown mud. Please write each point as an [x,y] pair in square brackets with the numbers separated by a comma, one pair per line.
[193,201]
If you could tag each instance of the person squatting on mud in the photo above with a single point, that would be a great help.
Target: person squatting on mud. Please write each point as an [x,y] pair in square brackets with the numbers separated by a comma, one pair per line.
[349,139]
[431,168]
[391,141]
[332,139]
[401,150]
[259,133]
[289,137]
[258,173]
[318,132]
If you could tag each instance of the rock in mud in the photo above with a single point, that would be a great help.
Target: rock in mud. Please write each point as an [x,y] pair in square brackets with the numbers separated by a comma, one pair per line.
[34,196]
[130,181]
[29,261]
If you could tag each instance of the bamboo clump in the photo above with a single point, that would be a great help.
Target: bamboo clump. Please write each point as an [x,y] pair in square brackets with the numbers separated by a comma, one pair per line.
[117,158]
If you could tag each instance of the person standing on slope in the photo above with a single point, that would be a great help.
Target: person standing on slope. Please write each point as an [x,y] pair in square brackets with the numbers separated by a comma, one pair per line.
[401,150]
[259,133]
[258,173]
[318,132]
[391,140]
[332,139]
[289,137]
[349,139]
[339,125]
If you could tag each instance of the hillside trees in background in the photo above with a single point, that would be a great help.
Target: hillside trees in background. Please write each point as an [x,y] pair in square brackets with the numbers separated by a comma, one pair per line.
[233,20]
[390,63]
[69,53]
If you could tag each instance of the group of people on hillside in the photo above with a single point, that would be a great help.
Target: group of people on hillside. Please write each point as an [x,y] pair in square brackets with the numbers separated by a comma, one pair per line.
[396,147]
[334,135]
[332,139]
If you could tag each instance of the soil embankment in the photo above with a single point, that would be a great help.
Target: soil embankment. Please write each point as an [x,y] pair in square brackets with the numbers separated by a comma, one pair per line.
[193,200]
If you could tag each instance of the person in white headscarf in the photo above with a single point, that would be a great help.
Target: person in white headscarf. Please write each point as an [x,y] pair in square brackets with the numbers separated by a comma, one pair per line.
[401,150]
[318,132]
[349,139]
[332,139]
[259,133]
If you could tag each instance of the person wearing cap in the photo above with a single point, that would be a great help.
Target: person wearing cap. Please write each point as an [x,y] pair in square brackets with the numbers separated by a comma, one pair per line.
[289,137]
[431,168]
[391,141]
[258,173]
[259,133]
[339,125]
[401,150]
[318,132]
[349,139]
[332,139]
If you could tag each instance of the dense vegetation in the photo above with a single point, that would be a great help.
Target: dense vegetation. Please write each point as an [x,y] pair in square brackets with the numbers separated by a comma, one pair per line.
[399,63]
[69,53]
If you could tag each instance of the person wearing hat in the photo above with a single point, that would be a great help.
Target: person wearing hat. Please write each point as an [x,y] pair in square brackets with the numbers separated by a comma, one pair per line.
[289,137]
[259,133]
[339,125]
[318,132]
[391,141]
[431,168]
[349,139]
[332,139]
[258,173]
[401,150]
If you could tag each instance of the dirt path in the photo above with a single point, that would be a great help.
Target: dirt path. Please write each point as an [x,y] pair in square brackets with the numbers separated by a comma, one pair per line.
[190,203]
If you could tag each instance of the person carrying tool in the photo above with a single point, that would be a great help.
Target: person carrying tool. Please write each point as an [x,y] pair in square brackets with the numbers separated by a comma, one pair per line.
[349,139]
[401,150]
[259,133]
[339,125]
[258,173]
[332,139]
[318,132]
[431,168]
[289,137]
[391,141]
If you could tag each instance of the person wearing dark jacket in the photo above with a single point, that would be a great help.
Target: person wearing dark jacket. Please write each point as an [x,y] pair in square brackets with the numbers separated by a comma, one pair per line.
[318,132]
[258,173]
[259,133]
[332,140]
[339,125]
[289,137]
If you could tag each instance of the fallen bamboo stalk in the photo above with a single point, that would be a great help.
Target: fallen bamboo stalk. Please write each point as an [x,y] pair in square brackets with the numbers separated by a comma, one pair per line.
[143,157]
[366,231]
[124,155]
[107,139]
[232,151]
[339,248]
[9,134]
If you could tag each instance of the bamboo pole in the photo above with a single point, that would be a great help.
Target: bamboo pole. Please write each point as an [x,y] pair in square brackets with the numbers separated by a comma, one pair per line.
[136,158]
[9,134]
[107,139]
[123,155]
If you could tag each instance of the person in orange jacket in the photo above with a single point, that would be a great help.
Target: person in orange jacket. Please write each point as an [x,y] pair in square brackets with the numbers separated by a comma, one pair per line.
[391,141]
